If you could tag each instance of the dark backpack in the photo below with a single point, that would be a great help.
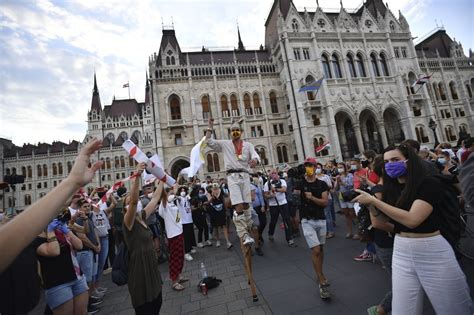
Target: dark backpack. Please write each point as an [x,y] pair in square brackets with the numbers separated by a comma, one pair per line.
[449,212]
[120,266]
[210,282]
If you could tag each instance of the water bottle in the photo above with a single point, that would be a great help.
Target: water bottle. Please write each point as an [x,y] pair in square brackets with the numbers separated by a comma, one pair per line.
[203,271]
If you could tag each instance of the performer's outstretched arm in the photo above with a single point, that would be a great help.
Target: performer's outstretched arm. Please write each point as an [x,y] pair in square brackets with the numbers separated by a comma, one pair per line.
[212,143]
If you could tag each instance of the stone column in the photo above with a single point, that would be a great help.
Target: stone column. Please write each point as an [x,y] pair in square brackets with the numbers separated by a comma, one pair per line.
[382,133]
[333,134]
[358,134]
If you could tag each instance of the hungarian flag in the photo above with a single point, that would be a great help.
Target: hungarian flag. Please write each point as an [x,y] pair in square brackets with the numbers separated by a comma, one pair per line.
[324,146]
[421,80]
[126,85]
[314,86]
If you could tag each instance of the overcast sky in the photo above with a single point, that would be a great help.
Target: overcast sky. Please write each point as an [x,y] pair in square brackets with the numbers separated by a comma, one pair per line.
[50,49]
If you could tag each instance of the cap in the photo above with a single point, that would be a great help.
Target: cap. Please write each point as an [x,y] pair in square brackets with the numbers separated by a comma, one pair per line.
[311,160]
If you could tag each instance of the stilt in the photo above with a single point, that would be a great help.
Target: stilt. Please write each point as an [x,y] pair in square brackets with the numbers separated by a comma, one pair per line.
[247,253]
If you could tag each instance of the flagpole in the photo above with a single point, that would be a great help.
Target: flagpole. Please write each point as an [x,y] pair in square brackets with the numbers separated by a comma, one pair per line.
[423,84]
[128,85]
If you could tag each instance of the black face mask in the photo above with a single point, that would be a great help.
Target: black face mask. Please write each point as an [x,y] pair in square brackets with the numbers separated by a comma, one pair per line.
[365,163]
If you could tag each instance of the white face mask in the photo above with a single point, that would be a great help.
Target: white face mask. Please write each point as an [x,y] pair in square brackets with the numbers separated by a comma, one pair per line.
[318,171]
[171,198]
[340,170]
[150,195]
[183,194]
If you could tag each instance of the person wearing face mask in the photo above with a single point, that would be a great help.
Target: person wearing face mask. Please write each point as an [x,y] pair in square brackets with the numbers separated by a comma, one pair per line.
[199,204]
[423,260]
[445,164]
[217,211]
[184,205]
[345,183]
[314,198]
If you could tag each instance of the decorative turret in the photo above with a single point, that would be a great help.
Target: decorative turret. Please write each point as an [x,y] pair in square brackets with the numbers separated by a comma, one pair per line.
[403,22]
[95,103]
[241,46]
[147,90]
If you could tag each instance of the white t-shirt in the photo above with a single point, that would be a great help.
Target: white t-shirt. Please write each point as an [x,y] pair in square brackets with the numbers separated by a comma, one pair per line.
[103,207]
[325,178]
[280,196]
[72,211]
[100,221]
[172,218]
[185,210]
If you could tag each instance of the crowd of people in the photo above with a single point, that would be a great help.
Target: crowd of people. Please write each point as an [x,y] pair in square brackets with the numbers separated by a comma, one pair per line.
[391,202]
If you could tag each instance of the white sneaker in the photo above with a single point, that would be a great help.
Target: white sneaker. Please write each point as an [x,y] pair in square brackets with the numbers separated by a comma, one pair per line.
[193,251]
[229,245]
[200,245]
[188,257]
[218,244]
[208,243]
[248,240]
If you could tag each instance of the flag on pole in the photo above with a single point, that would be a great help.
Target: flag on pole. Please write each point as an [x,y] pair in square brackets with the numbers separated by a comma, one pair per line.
[196,159]
[324,146]
[126,85]
[421,80]
[314,86]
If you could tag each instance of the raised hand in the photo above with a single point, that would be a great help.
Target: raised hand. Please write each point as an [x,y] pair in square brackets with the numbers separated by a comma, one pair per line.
[81,174]
[53,225]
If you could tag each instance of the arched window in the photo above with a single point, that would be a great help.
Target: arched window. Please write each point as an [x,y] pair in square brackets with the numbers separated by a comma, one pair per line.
[256,104]
[107,163]
[383,63]
[234,105]
[45,170]
[454,93]
[60,168]
[122,161]
[247,104]
[436,91]
[55,169]
[326,67]
[210,163]
[111,138]
[69,167]
[450,135]
[282,153]
[39,171]
[206,109]
[351,65]
[136,136]
[420,134]
[215,160]
[224,106]
[469,91]
[317,143]
[375,65]
[131,161]
[273,102]
[360,65]
[336,66]
[411,79]
[124,135]
[310,94]
[294,25]
[263,156]
[173,62]
[27,200]
[29,171]
[441,91]
[23,171]
[175,107]
[117,162]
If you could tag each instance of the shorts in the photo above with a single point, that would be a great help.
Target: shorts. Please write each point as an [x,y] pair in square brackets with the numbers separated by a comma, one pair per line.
[88,262]
[256,221]
[239,188]
[346,204]
[314,232]
[58,295]
[155,230]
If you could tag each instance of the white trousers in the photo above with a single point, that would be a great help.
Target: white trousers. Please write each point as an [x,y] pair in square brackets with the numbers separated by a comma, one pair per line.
[429,265]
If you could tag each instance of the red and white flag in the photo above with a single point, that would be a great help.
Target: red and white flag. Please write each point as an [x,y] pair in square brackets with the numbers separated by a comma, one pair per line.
[325,145]
[421,80]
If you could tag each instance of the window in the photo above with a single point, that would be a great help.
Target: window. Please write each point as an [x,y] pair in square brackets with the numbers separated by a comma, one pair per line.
[27,200]
[69,167]
[454,93]
[213,162]
[234,105]
[175,107]
[256,104]
[282,128]
[375,66]
[326,68]
[360,65]
[396,50]
[310,94]
[275,129]
[45,184]
[122,161]
[336,66]
[441,91]
[436,91]
[294,25]
[60,168]
[282,154]
[263,156]
[253,132]
[420,135]
[177,139]
[107,163]
[30,186]
[260,131]
[316,120]
[224,106]
[404,52]
[247,105]
[318,142]
[273,103]
[296,52]
[392,26]
[306,53]
[449,133]
[351,65]
[469,91]
[38,185]
[55,169]
[29,171]
[205,107]
[383,63]
[38,171]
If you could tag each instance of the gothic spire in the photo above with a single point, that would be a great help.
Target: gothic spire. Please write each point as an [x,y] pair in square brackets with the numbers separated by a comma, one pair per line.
[241,45]
[147,90]
[95,103]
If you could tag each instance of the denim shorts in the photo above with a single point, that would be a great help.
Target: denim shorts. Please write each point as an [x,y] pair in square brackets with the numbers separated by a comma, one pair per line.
[314,232]
[58,295]
[88,262]
[256,221]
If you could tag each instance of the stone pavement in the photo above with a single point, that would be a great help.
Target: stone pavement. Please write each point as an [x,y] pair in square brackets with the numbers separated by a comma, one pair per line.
[284,277]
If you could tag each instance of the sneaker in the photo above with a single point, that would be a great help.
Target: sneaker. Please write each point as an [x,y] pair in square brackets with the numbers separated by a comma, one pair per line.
[107,271]
[324,292]
[259,251]
[193,251]
[200,245]
[95,301]
[372,310]
[101,289]
[349,235]
[229,245]
[291,243]
[248,240]
[356,237]
[97,295]
[208,243]
[188,257]
[365,256]
[218,244]
[270,237]
[330,235]
[92,309]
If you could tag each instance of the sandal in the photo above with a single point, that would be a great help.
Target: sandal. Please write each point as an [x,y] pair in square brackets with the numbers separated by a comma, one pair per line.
[182,279]
[177,287]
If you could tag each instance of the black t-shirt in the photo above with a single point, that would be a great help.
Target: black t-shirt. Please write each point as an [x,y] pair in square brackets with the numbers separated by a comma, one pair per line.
[310,210]
[60,269]
[430,191]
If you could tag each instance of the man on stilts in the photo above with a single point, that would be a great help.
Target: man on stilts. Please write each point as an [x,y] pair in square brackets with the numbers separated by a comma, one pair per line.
[239,155]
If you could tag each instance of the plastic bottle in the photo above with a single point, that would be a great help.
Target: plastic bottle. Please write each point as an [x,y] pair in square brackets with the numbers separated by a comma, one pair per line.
[203,271]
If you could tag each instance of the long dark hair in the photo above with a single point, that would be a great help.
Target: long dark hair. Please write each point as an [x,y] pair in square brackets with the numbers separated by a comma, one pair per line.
[403,195]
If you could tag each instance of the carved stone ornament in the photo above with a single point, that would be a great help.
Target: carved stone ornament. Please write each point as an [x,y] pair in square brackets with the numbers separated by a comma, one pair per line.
[357,90]
[332,92]
[344,92]
[368,23]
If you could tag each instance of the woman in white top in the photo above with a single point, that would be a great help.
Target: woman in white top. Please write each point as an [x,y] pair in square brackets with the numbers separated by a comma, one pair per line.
[169,211]
[184,205]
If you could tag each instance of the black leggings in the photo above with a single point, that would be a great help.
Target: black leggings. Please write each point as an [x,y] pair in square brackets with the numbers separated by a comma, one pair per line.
[150,308]
[275,211]
[262,218]
[189,238]
[199,219]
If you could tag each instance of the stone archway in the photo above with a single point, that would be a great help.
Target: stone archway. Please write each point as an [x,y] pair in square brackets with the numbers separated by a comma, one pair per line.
[370,132]
[393,126]
[346,134]
[177,166]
